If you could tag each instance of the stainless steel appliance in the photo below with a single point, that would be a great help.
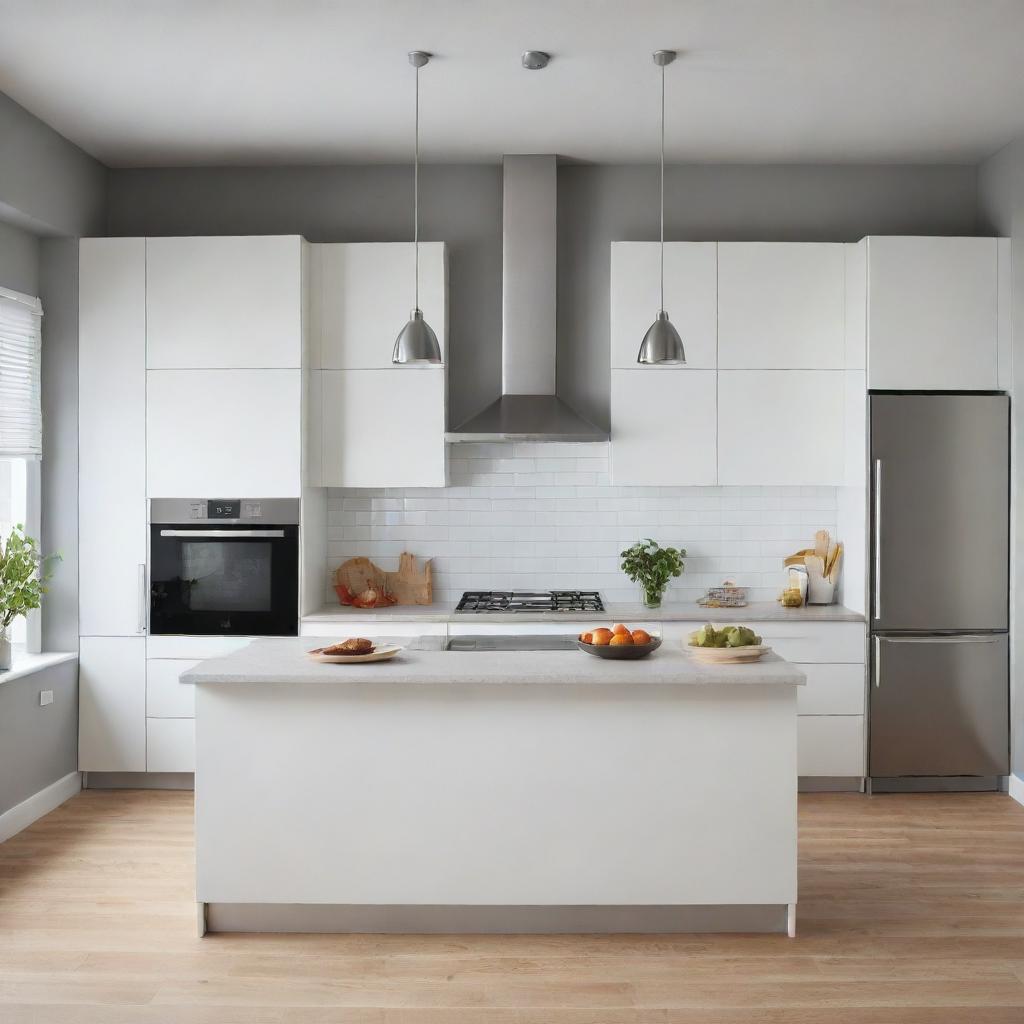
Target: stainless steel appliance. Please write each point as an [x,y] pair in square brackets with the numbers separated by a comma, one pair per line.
[227,567]
[522,601]
[511,643]
[939,694]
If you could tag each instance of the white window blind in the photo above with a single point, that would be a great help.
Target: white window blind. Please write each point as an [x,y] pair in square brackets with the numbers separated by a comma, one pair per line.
[21,415]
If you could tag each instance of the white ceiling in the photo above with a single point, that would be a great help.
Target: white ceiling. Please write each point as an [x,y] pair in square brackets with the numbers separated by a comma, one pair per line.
[316,81]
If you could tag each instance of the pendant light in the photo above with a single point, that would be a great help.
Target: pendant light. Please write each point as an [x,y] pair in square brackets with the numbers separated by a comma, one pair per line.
[416,342]
[662,344]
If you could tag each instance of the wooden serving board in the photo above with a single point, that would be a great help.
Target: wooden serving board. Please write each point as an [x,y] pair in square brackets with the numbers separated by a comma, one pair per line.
[409,585]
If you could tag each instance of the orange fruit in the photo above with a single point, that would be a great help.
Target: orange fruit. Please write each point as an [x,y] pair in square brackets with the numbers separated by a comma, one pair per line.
[601,637]
[619,629]
[619,639]
[641,636]
[587,638]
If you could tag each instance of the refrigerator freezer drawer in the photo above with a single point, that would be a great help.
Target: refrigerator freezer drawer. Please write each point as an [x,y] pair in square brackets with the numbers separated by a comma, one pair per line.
[939,706]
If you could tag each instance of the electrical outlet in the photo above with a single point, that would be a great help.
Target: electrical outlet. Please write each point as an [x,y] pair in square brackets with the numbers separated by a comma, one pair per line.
[45,697]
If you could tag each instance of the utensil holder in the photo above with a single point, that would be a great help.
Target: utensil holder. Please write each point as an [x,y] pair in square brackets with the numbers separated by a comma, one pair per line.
[820,590]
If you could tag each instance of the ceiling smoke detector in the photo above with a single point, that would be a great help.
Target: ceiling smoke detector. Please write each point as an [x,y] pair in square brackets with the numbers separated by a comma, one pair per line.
[534,60]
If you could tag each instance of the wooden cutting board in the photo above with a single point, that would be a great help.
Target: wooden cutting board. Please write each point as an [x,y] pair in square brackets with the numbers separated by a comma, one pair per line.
[409,585]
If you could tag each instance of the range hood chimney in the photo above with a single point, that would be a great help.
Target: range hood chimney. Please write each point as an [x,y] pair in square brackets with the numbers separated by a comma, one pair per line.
[528,409]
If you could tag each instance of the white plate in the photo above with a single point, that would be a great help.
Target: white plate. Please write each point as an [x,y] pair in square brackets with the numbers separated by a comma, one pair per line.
[725,655]
[381,653]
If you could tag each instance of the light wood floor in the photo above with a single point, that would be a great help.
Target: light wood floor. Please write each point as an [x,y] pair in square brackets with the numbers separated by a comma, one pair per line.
[911,912]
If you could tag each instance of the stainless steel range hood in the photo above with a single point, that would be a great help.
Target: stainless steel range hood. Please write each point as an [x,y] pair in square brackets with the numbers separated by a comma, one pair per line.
[528,409]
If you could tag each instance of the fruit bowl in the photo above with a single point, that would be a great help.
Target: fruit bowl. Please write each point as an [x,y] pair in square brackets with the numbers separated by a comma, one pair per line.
[624,652]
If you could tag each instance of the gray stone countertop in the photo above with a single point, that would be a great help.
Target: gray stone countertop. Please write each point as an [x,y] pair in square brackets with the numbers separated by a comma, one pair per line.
[758,611]
[422,661]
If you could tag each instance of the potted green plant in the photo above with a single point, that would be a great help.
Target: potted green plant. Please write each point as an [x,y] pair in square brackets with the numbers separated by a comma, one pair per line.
[653,567]
[23,577]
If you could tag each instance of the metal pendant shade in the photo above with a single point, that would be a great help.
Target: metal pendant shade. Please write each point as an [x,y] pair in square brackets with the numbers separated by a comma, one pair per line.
[416,341]
[662,344]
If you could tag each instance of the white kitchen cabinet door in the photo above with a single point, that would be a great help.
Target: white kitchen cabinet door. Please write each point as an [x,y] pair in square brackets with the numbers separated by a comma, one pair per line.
[166,697]
[781,427]
[170,745]
[831,690]
[691,299]
[224,433]
[362,294]
[932,313]
[112,704]
[112,518]
[830,745]
[663,428]
[781,305]
[232,301]
[384,428]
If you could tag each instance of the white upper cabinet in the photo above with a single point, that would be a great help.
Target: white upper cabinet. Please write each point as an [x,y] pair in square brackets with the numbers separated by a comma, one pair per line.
[383,428]
[224,433]
[932,313]
[112,436]
[781,305]
[691,296]
[222,302]
[663,427]
[781,427]
[362,294]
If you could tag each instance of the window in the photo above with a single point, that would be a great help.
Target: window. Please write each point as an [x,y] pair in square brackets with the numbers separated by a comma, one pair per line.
[21,425]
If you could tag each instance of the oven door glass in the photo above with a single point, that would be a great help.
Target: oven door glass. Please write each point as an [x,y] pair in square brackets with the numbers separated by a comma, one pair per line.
[225,580]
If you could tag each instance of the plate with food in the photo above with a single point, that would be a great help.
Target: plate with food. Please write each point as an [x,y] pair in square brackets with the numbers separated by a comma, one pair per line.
[618,642]
[355,648]
[725,645]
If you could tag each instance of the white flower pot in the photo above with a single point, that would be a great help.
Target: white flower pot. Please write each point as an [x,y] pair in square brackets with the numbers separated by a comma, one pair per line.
[5,651]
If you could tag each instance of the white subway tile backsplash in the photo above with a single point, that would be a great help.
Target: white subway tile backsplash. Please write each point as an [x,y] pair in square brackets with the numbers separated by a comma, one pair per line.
[529,516]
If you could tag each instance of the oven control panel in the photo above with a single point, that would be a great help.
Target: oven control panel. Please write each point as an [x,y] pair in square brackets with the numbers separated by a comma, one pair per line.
[225,508]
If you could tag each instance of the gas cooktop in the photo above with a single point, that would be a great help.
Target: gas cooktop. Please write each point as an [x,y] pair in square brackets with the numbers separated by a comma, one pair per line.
[483,601]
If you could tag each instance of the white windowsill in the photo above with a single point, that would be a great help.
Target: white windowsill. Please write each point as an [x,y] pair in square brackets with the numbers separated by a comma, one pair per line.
[25,664]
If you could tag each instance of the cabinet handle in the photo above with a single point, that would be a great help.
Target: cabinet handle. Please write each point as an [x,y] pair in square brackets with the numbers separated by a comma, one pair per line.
[878,539]
[142,597]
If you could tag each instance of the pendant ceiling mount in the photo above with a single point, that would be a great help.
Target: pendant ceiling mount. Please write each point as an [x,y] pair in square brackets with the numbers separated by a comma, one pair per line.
[662,344]
[416,342]
[535,60]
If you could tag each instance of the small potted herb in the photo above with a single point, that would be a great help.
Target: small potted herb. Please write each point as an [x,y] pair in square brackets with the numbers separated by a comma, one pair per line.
[653,567]
[23,577]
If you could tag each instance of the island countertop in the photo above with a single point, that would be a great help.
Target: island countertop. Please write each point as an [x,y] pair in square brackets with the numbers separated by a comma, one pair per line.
[424,662]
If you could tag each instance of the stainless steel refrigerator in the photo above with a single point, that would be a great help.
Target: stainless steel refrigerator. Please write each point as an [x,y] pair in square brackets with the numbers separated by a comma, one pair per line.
[940,525]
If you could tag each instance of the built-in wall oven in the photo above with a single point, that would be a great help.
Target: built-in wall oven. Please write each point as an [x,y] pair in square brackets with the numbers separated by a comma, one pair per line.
[224,567]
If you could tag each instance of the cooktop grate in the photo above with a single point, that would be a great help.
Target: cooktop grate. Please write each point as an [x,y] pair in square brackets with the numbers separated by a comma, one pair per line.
[479,601]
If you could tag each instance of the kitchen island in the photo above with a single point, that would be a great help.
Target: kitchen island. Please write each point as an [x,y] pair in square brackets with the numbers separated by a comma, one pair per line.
[526,791]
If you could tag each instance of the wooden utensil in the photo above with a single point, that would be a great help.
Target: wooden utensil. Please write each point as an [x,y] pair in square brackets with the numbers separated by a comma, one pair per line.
[832,569]
[409,585]
[821,543]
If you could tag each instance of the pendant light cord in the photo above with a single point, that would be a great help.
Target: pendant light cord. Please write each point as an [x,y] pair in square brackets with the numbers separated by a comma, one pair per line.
[661,306]
[416,195]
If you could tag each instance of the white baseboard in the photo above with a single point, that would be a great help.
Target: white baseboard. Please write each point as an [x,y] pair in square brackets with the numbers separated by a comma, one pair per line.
[1016,788]
[22,815]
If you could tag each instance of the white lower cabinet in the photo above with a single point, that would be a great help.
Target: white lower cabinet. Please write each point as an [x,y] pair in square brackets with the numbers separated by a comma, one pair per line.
[170,745]
[166,697]
[663,427]
[830,745]
[112,704]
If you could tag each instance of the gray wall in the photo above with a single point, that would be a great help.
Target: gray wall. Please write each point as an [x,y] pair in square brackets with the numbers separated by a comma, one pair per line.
[58,289]
[1001,212]
[599,205]
[47,184]
[462,204]
[38,745]
[458,204]
[19,259]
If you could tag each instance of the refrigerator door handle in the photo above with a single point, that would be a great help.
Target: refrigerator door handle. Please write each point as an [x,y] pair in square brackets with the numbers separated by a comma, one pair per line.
[982,638]
[878,539]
